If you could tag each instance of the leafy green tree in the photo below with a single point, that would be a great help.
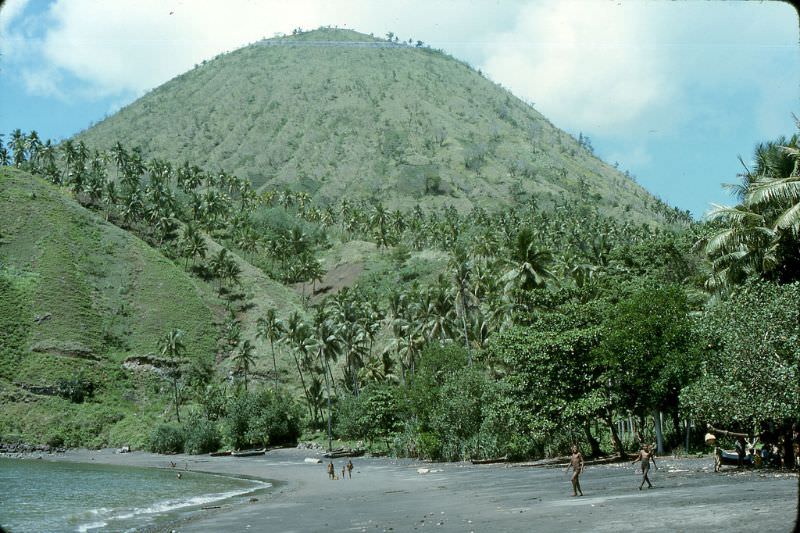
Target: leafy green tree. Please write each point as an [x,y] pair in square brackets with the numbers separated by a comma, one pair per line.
[546,369]
[649,352]
[748,380]
[373,415]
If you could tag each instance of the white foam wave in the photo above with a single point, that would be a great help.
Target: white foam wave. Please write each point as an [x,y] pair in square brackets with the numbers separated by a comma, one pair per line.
[93,525]
[169,505]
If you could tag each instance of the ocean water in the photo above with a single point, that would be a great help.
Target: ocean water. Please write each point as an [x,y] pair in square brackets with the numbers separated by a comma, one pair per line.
[42,496]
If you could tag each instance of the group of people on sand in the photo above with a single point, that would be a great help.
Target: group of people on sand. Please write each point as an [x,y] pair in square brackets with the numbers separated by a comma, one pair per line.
[347,468]
[748,454]
[577,464]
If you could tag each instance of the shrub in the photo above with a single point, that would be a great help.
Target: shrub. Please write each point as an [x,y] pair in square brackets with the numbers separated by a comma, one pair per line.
[258,418]
[76,389]
[201,435]
[166,438]
[374,414]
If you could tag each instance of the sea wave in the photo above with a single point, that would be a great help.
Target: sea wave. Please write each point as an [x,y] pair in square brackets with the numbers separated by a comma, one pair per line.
[164,506]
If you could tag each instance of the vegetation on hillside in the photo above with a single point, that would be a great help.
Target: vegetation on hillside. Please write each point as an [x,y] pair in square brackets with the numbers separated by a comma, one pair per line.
[526,330]
[403,124]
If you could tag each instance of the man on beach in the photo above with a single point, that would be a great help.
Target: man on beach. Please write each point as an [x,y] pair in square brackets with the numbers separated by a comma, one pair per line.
[330,470]
[350,469]
[645,456]
[576,462]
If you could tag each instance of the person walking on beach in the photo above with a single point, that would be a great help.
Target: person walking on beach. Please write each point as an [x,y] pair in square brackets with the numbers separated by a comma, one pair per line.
[350,469]
[645,456]
[576,462]
[330,470]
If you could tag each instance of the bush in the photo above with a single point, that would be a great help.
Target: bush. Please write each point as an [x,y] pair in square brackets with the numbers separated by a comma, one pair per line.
[258,418]
[55,440]
[75,389]
[201,435]
[166,438]
[374,414]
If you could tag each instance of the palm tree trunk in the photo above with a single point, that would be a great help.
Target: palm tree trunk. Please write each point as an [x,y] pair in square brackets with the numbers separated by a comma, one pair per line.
[175,389]
[659,434]
[328,392]
[303,381]
[274,364]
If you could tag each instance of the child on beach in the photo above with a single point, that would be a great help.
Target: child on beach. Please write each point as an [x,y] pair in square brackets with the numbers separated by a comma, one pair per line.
[645,456]
[331,474]
[576,462]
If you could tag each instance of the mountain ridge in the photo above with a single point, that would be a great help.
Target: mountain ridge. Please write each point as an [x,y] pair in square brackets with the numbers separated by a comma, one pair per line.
[390,122]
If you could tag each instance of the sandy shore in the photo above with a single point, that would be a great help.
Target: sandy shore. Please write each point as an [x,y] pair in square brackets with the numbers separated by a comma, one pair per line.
[394,495]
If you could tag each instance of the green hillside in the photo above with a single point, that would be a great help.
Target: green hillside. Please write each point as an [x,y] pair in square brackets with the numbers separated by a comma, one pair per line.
[336,113]
[83,301]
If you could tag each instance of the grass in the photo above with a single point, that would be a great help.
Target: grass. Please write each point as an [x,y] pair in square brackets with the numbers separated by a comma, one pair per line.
[106,296]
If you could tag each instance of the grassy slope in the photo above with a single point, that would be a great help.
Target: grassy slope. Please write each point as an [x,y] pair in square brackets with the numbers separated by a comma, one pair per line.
[109,296]
[362,121]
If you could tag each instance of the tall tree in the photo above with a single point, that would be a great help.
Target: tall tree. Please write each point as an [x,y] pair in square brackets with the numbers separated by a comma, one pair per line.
[171,346]
[244,359]
[271,328]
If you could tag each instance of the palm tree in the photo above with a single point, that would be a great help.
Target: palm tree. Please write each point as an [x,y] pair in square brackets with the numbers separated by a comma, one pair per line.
[193,244]
[171,346]
[19,146]
[245,359]
[759,236]
[271,328]
[33,145]
[296,333]
[528,264]
[327,347]
[464,298]
[69,154]
[5,157]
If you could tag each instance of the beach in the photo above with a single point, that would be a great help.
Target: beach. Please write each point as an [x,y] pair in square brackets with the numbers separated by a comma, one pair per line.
[387,494]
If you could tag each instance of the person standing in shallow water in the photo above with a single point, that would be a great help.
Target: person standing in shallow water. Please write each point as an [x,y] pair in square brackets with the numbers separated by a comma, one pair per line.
[576,462]
[645,456]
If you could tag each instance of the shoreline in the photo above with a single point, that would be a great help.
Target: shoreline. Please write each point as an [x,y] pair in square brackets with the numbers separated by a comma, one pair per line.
[387,494]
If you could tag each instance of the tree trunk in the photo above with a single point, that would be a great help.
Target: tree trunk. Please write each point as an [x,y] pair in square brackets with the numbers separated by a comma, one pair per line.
[659,434]
[175,388]
[594,446]
[466,339]
[615,441]
[328,391]
[788,449]
[274,364]
[303,381]
[676,426]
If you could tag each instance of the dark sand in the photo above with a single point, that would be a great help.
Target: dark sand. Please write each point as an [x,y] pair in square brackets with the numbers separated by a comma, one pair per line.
[392,495]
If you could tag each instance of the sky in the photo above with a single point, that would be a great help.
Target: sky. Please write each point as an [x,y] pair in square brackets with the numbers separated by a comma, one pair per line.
[673,92]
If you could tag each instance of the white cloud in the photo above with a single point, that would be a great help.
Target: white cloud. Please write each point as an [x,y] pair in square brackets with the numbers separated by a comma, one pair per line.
[129,46]
[9,39]
[10,10]
[43,82]
[587,66]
